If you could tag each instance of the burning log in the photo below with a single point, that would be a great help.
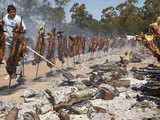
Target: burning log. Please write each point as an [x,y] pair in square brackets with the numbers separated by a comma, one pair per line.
[13,114]
[2,40]
[18,49]
[40,46]
[51,47]
[81,96]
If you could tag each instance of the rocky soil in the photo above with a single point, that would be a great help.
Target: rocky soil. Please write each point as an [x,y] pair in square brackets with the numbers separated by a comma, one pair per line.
[102,88]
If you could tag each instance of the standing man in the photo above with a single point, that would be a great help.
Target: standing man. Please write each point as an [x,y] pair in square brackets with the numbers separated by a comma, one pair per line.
[10,21]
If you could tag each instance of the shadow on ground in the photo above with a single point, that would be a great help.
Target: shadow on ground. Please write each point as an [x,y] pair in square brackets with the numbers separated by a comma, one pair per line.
[38,79]
[65,70]
[67,83]
[4,90]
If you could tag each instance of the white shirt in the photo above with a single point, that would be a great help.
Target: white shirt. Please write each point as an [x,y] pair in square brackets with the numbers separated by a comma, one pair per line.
[10,23]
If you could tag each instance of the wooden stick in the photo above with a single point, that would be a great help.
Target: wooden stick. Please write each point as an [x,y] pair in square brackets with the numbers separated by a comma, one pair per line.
[23,68]
[13,114]
[37,70]
[9,86]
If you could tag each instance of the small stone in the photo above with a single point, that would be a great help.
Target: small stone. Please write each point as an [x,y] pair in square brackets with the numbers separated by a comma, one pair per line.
[49,116]
[28,94]
[138,76]
[101,116]
[122,83]
[46,108]
[79,117]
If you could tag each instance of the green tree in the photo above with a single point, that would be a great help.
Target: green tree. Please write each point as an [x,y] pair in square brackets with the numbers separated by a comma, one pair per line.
[79,15]
[129,18]
[61,3]
[56,16]
[108,20]
[150,11]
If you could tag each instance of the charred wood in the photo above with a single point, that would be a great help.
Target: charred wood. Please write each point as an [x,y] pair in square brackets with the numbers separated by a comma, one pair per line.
[13,114]
[50,98]
[31,116]
[63,116]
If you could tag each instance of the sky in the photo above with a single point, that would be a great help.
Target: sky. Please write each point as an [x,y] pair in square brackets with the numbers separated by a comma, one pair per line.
[95,7]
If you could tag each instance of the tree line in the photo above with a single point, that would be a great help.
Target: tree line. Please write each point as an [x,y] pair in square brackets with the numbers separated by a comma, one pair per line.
[125,18]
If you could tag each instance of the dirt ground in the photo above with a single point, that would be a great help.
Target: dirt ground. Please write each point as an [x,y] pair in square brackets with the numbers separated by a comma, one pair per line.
[47,77]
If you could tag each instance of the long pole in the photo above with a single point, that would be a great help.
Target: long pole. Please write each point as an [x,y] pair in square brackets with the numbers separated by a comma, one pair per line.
[37,54]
